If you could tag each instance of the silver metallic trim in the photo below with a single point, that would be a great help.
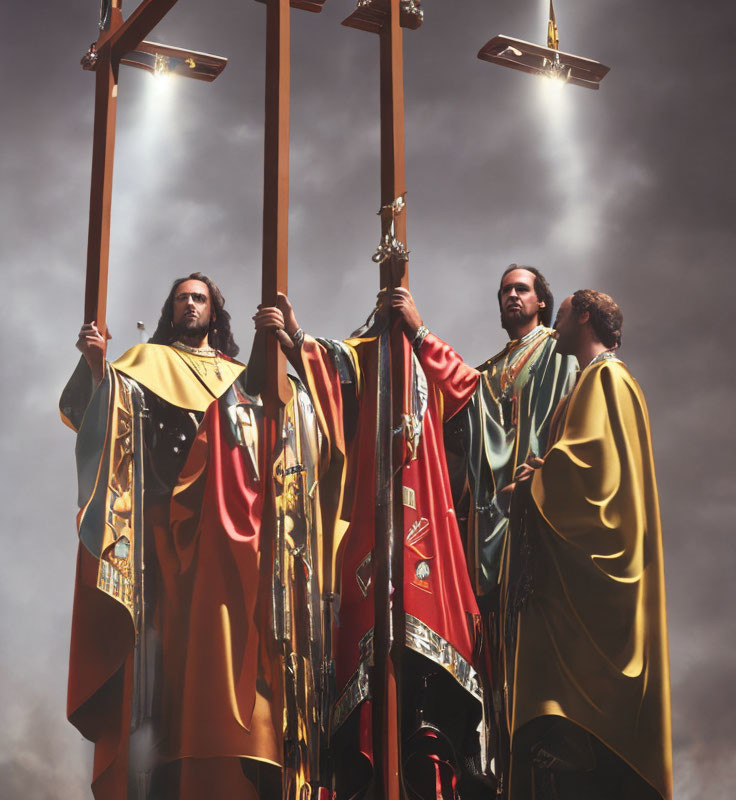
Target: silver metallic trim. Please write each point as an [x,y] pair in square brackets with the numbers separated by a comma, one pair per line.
[421,639]
[419,337]
[363,574]
[357,688]
[606,355]
[409,497]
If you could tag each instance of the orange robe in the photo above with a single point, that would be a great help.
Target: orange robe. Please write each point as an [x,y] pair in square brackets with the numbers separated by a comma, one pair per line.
[240,609]
[222,689]
[124,498]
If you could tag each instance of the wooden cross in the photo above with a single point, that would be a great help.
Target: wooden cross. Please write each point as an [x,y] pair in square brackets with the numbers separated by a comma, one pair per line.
[275,389]
[267,358]
[387,18]
[548,61]
[121,42]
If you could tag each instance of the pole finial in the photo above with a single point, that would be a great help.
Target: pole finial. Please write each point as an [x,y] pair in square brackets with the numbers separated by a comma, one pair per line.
[553,37]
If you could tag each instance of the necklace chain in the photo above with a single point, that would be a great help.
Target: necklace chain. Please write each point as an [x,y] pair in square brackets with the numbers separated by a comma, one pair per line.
[206,351]
[200,367]
[509,371]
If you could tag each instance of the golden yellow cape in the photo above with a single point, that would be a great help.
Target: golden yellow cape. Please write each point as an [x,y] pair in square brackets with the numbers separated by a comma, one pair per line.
[168,372]
[592,640]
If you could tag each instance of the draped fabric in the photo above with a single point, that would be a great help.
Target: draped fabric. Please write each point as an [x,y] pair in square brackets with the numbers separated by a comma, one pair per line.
[100,689]
[240,615]
[505,421]
[108,596]
[441,610]
[592,636]
[131,443]
[181,378]
[217,638]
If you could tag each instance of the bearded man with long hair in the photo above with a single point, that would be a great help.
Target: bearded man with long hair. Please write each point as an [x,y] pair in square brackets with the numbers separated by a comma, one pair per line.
[136,420]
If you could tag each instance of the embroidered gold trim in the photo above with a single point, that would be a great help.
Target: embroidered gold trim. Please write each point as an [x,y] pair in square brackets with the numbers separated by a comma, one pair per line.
[116,575]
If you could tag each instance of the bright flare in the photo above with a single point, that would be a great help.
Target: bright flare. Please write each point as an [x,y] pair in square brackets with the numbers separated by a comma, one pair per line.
[161,66]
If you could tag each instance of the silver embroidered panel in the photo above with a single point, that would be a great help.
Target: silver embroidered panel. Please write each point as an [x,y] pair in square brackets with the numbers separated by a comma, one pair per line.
[421,639]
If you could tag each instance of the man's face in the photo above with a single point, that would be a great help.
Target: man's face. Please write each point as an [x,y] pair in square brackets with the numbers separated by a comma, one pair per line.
[567,327]
[192,308]
[519,301]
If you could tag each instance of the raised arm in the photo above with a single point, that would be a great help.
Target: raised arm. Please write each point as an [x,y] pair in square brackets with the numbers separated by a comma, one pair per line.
[86,377]
[93,346]
[441,364]
[279,321]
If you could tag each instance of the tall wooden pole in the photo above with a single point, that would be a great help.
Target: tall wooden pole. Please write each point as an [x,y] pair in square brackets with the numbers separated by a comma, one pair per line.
[100,202]
[116,40]
[103,152]
[389,631]
[267,359]
[276,390]
[393,180]
[386,18]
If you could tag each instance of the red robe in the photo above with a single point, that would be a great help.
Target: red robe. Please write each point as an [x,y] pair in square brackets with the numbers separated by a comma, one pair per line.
[124,504]
[237,607]
[217,642]
[441,609]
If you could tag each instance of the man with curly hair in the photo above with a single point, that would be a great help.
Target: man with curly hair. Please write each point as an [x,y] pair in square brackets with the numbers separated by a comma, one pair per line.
[590,701]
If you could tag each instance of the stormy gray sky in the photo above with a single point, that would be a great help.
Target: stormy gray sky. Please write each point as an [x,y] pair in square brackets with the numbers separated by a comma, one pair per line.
[629,190]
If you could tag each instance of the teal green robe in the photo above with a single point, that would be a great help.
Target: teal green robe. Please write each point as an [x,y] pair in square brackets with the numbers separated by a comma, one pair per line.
[506,421]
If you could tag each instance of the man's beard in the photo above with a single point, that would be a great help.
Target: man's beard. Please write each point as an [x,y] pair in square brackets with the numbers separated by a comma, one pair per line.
[182,330]
[517,320]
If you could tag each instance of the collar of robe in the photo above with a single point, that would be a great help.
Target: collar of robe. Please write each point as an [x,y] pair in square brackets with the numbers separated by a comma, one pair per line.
[174,377]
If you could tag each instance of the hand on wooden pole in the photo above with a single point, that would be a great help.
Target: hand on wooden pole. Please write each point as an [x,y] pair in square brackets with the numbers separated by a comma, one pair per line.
[93,346]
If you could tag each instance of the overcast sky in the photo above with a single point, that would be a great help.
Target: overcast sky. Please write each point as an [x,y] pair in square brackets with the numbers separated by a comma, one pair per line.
[629,190]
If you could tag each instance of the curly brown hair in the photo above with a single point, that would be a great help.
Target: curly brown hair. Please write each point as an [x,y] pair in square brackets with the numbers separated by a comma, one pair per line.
[606,317]
[219,336]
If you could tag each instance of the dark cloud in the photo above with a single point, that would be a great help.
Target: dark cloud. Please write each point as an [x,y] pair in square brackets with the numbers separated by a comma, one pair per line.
[629,190]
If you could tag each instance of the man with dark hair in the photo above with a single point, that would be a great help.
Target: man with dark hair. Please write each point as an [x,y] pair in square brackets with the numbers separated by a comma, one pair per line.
[590,702]
[502,423]
[541,290]
[136,420]
[507,419]
[216,325]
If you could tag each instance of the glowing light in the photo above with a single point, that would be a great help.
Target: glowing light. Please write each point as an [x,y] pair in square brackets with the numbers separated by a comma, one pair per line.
[161,66]
[556,71]
[573,223]
[162,82]
[555,82]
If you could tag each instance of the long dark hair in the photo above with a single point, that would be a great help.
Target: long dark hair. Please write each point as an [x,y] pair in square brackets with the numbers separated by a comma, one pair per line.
[219,336]
[541,289]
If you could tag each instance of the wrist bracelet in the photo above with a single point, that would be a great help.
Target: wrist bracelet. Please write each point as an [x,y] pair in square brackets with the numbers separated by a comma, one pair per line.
[419,337]
[298,337]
